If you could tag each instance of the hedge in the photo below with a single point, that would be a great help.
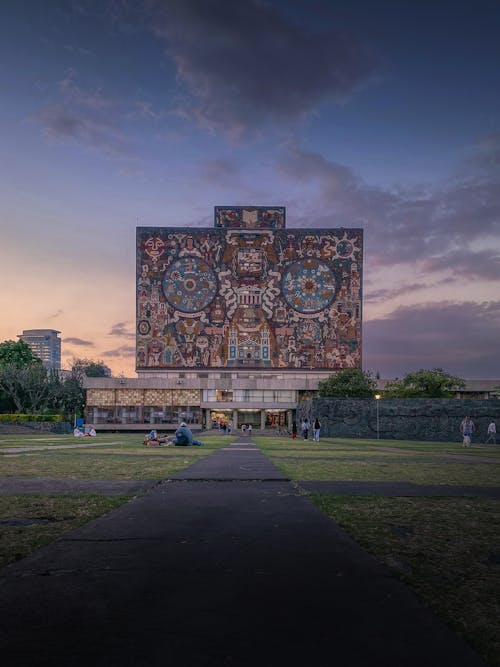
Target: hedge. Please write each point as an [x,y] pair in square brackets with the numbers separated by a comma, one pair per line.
[18,418]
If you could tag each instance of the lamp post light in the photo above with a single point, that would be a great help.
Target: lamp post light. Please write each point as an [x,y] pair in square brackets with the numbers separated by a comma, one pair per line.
[377,399]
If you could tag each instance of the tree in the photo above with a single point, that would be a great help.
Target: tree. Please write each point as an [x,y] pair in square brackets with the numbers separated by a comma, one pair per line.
[17,353]
[82,368]
[348,383]
[23,378]
[434,383]
[72,397]
[27,387]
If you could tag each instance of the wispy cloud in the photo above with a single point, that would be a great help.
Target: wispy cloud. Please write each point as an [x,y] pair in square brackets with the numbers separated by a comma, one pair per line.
[121,329]
[123,351]
[62,124]
[403,226]
[371,295]
[78,341]
[93,99]
[479,265]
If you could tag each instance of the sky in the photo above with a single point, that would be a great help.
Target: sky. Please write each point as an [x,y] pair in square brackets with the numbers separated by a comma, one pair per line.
[386,116]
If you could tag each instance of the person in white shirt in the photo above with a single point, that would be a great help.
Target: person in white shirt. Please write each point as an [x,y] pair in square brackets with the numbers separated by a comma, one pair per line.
[492,433]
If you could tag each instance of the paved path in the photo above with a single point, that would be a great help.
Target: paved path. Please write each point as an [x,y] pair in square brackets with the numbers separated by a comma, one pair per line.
[226,565]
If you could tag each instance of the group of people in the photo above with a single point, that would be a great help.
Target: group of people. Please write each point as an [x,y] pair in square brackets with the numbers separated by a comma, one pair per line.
[468,428]
[78,433]
[305,429]
[183,438]
[225,427]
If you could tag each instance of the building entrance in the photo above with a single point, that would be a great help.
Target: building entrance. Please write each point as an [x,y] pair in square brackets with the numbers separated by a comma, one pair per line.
[249,417]
[276,419]
[219,418]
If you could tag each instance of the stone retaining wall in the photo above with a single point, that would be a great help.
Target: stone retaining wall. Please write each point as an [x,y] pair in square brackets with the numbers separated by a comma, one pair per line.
[400,418]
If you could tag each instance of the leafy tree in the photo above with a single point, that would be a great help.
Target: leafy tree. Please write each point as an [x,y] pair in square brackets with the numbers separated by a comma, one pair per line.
[72,397]
[17,353]
[348,383]
[434,383]
[27,387]
[23,378]
[82,368]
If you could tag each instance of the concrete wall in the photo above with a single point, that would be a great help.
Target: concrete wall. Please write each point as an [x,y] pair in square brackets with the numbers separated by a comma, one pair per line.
[399,418]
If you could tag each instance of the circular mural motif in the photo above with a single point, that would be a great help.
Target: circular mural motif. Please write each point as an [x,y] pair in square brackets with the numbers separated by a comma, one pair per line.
[144,327]
[344,248]
[308,286]
[189,284]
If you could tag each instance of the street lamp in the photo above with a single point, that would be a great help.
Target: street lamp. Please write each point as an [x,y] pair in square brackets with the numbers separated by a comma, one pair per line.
[377,399]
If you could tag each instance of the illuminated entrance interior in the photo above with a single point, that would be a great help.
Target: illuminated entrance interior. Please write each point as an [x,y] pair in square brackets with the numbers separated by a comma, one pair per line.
[276,418]
[220,417]
[249,417]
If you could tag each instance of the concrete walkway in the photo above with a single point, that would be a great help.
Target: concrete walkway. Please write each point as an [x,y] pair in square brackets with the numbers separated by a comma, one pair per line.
[227,564]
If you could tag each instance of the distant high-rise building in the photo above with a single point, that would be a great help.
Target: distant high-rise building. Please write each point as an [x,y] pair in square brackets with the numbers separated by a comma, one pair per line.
[45,344]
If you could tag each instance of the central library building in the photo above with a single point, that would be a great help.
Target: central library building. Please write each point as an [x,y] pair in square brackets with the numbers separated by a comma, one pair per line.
[235,323]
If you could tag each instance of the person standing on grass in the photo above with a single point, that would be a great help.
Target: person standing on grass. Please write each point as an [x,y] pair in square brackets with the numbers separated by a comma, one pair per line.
[294,429]
[316,428]
[249,429]
[467,428]
[492,433]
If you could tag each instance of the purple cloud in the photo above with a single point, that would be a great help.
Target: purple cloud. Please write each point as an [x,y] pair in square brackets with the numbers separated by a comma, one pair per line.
[120,352]
[63,124]
[402,226]
[245,62]
[461,337]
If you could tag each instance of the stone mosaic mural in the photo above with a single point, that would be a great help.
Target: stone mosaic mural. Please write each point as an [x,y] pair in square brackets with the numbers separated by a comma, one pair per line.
[248,295]
[250,217]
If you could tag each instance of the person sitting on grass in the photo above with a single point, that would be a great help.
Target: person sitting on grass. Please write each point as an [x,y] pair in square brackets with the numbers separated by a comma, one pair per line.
[184,438]
[152,439]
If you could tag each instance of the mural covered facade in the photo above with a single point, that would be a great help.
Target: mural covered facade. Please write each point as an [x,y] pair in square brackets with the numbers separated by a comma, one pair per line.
[248,293]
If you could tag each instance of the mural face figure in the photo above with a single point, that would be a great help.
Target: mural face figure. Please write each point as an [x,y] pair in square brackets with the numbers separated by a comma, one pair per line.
[249,293]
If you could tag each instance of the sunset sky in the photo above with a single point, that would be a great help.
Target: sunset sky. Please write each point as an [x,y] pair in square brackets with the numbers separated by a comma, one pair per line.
[381,115]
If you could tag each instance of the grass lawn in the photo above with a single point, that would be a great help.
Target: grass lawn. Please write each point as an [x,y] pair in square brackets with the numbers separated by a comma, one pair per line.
[446,549]
[118,440]
[467,474]
[28,522]
[121,456]
[368,460]
[77,466]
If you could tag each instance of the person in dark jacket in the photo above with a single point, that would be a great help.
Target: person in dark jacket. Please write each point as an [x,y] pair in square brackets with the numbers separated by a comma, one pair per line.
[184,438]
[316,429]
